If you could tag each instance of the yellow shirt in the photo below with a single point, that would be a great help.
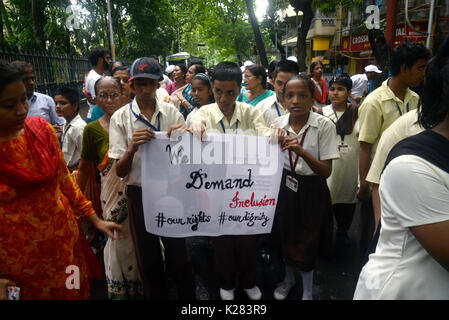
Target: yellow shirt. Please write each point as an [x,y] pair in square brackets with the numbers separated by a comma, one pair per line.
[379,110]
[402,128]
[245,120]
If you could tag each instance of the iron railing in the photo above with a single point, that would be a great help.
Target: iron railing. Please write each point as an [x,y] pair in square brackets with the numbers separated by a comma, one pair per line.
[51,70]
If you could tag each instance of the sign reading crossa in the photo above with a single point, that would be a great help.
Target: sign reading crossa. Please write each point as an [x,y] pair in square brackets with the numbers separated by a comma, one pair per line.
[228,184]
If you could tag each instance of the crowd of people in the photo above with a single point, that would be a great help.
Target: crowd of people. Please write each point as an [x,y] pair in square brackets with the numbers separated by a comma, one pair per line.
[70,190]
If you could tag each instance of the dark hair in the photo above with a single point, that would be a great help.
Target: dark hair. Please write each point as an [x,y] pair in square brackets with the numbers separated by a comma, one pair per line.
[407,54]
[122,68]
[343,79]
[258,70]
[182,67]
[286,66]
[227,71]
[272,67]
[70,94]
[204,78]
[97,83]
[22,66]
[195,61]
[314,64]
[435,94]
[304,77]
[96,54]
[199,68]
[8,74]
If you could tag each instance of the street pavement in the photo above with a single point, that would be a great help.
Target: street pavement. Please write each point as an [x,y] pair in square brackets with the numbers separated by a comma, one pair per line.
[335,277]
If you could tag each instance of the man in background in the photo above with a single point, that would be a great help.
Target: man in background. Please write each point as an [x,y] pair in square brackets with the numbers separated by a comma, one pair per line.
[101,61]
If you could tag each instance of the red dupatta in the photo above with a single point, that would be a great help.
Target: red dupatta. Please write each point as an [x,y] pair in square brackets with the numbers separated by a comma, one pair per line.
[44,150]
[321,97]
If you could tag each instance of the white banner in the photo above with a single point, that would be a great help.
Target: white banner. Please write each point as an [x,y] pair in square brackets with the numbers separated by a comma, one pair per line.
[228,184]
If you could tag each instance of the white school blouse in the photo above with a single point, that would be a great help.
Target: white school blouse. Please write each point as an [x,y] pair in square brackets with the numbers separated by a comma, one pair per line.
[319,141]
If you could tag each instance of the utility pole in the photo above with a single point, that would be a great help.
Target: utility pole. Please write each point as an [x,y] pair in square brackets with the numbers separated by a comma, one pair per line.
[390,28]
[111,33]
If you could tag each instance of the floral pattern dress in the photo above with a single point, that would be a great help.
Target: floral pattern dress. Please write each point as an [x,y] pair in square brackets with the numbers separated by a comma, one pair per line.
[122,273]
[41,247]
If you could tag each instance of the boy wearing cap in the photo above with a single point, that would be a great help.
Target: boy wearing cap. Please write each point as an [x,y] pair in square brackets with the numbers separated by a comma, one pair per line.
[378,111]
[132,126]
[360,82]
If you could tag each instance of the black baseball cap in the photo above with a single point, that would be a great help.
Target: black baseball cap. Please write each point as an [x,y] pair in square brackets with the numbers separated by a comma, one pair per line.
[146,68]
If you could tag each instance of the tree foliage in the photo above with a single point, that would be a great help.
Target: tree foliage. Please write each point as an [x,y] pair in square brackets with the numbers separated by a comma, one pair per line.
[141,27]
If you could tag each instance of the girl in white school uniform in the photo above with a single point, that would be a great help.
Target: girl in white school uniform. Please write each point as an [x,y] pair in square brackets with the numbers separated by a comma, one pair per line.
[343,182]
[303,220]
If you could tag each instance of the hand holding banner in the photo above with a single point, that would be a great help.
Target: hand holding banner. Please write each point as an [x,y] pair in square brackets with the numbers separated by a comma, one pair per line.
[226,185]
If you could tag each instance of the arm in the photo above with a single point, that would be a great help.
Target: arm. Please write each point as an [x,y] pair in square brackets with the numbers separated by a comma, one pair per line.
[434,238]
[86,166]
[140,137]
[376,206]
[80,205]
[364,164]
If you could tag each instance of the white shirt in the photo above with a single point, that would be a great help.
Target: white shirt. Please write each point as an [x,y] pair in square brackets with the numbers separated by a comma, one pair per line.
[360,84]
[72,140]
[41,105]
[413,192]
[124,123]
[319,141]
[271,109]
[343,182]
[91,78]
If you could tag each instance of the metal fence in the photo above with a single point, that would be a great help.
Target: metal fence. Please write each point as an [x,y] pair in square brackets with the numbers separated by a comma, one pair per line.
[51,70]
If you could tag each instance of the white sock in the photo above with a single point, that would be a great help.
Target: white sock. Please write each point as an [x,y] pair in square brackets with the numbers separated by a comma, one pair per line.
[307,284]
[289,274]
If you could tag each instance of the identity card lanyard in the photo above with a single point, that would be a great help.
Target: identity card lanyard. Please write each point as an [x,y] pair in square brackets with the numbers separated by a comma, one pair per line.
[277,108]
[145,121]
[342,132]
[297,157]
[291,182]
[63,135]
[224,130]
[399,109]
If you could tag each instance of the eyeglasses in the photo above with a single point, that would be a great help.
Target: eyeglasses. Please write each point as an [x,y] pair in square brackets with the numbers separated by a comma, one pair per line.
[249,77]
[113,96]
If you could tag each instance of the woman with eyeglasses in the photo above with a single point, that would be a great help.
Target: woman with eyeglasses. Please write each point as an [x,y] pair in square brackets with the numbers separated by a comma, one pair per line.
[121,74]
[100,183]
[255,90]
